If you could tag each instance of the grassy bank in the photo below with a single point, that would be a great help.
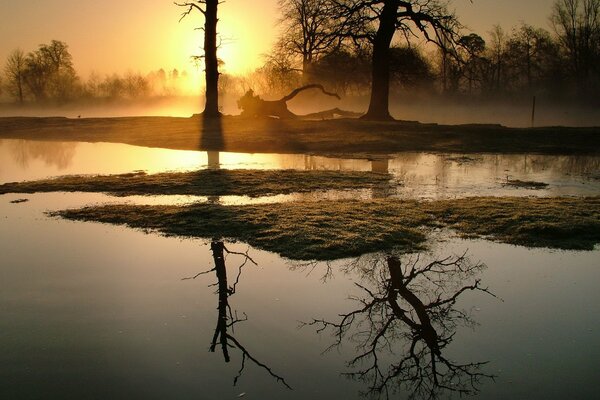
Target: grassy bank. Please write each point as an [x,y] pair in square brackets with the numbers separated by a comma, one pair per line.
[326,230]
[299,136]
[205,183]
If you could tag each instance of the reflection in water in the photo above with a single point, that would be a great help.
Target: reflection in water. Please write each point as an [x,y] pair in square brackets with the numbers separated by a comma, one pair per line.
[408,315]
[418,175]
[226,318]
[56,154]
[380,166]
[213,160]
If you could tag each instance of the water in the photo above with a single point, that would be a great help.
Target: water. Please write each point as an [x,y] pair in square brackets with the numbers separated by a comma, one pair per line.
[415,175]
[97,311]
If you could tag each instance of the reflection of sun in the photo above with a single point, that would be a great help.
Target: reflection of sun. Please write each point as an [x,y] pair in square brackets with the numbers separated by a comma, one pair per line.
[173,160]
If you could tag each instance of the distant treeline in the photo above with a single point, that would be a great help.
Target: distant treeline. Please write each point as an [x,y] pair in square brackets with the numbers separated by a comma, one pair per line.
[47,75]
[562,64]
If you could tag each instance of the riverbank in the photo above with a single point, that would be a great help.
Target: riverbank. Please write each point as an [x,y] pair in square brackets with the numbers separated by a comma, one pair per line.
[336,136]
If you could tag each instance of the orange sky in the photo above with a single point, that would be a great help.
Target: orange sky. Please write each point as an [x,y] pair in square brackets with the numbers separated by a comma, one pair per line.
[143,35]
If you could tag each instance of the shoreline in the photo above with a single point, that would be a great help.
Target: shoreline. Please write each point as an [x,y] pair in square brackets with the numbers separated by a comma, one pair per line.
[319,137]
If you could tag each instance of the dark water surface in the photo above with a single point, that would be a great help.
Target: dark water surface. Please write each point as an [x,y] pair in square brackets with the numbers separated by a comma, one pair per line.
[93,311]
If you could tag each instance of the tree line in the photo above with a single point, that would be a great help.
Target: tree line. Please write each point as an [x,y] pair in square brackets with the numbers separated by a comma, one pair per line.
[47,75]
[349,45]
[357,48]
[563,62]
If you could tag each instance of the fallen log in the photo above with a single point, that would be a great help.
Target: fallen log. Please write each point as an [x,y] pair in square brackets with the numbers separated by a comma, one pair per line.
[254,106]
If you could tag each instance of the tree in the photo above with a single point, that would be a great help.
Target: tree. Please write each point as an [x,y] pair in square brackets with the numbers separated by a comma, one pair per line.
[378,21]
[49,72]
[37,75]
[532,58]
[343,70]
[409,68]
[498,50]
[474,46]
[208,8]
[577,25]
[308,31]
[15,74]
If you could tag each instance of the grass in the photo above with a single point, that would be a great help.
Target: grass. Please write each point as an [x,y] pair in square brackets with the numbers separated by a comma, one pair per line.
[326,230]
[205,183]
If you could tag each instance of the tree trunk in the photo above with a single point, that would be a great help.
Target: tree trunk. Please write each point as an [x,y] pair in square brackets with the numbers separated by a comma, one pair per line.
[380,75]
[211,109]
[20,87]
[221,331]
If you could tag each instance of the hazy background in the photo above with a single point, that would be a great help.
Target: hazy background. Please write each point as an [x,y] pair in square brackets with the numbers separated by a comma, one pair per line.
[142,40]
[139,35]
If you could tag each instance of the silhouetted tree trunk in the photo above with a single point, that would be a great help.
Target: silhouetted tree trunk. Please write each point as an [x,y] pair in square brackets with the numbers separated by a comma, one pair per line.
[221,331]
[208,8]
[377,21]
[380,83]
[211,109]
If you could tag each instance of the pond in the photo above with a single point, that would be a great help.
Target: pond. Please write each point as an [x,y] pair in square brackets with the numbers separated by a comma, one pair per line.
[98,311]
[415,175]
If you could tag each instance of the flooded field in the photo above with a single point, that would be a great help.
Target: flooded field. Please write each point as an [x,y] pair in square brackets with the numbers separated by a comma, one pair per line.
[415,175]
[93,310]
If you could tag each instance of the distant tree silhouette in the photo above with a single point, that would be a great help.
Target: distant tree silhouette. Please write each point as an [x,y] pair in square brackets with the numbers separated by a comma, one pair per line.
[577,25]
[474,46]
[15,74]
[49,72]
[378,21]
[409,68]
[533,60]
[208,8]
[308,31]
[343,70]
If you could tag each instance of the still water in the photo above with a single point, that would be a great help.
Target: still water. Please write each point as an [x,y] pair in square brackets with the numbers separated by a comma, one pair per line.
[415,175]
[97,311]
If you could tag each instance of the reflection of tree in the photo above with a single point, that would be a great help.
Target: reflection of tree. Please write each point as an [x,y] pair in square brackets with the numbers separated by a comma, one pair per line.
[227,318]
[409,311]
[58,154]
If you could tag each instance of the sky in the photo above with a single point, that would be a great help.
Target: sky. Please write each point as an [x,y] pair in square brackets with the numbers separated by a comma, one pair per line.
[144,35]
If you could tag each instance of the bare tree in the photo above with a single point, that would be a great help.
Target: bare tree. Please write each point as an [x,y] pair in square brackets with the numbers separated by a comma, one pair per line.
[15,74]
[409,310]
[308,31]
[208,8]
[378,21]
[577,25]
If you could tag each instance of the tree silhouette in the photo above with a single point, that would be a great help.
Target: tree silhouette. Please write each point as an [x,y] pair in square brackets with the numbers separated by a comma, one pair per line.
[15,74]
[226,318]
[378,21]
[208,8]
[308,31]
[409,311]
[577,25]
